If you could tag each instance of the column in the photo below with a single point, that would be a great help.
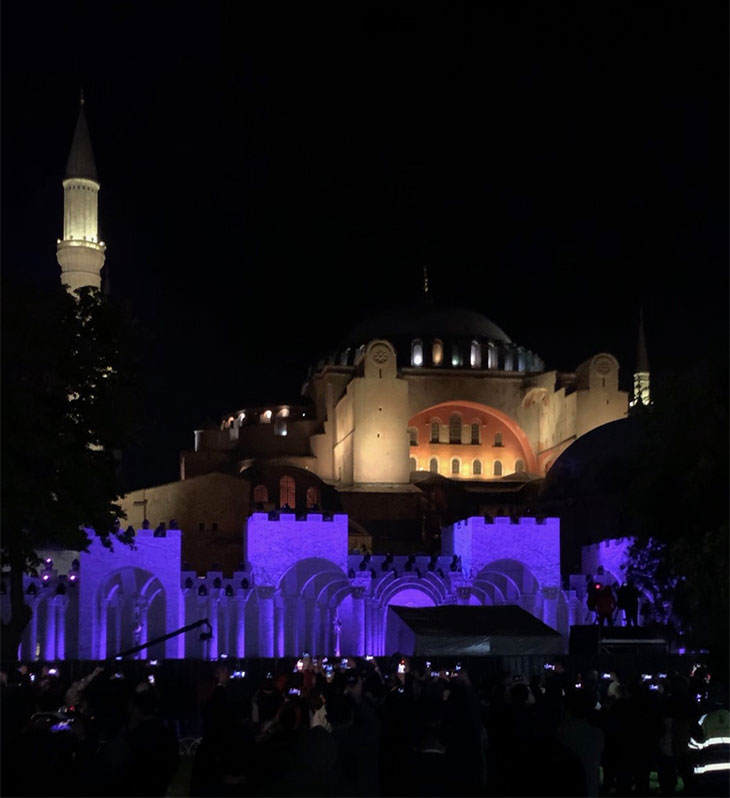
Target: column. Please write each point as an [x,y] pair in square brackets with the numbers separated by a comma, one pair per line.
[463,594]
[61,607]
[266,621]
[550,606]
[226,636]
[213,619]
[279,630]
[49,644]
[317,648]
[358,620]
[33,636]
[240,626]
[369,646]
[101,643]
[118,626]
[291,625]
[143,631]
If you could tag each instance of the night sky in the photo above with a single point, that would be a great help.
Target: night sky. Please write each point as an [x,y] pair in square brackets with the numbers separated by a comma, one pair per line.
[272,173]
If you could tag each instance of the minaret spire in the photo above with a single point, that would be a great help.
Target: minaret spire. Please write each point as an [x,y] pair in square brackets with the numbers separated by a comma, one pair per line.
[80,253]
[641,393]
[425,280]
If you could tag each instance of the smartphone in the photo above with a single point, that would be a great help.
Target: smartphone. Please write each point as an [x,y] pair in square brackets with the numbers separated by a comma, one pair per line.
[295,691]
[63,725]
[605,675]
[368,657]
[300,665]
[401,667]
[151,679]
[238,674]
[52,672]
[548,667]
[434,673]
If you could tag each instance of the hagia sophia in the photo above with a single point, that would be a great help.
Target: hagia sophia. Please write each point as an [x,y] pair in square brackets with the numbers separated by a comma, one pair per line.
[420,467]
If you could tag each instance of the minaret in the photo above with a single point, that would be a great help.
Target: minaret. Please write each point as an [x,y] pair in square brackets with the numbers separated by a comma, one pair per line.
[80,254]
[641,396]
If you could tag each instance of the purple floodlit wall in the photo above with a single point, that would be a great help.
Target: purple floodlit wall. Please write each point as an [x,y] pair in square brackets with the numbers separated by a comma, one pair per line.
[611,555]
[298,590]
[133,580]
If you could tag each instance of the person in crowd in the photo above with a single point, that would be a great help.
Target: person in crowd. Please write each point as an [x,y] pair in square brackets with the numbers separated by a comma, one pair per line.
[627,600]
[605,606]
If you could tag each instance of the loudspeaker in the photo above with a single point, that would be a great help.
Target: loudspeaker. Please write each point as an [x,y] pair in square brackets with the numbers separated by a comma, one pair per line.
[584,639]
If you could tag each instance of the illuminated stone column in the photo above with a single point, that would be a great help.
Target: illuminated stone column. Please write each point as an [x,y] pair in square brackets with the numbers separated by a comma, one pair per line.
[574,609]
[291,625]
[358,620]
[240,626]
[226,637]
[317,647]
[49,644]
[550,606]
[213,619]
[143,607]
[33,632]
[279,629]
[370,647]
[266,621]
[101,641]
[463,594]
[117,626]
[61,607]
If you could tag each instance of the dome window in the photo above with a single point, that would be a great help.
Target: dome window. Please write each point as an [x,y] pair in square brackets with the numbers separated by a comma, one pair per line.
[435,431]
[475,355]
[455,466]
[497,468]
[477,468]
[498,439]
[413,435]
[417,353]
[413,463]
[437,353]
[456,360]
[260,494]
[519,466]
[266,417]
[433,465]
[475,428]
[492,359]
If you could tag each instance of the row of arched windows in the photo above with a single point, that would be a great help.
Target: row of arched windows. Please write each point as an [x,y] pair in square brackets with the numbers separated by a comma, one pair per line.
[457,468]
[455,432]
[287,494]
[513,358]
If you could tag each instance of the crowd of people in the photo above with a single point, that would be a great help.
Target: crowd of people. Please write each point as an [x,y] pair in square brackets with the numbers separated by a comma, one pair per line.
[398,727]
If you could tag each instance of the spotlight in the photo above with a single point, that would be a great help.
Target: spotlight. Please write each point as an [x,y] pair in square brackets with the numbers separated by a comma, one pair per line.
[72,577]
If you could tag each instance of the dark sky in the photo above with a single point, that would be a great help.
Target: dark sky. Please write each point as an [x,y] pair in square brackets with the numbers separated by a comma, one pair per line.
[272,173]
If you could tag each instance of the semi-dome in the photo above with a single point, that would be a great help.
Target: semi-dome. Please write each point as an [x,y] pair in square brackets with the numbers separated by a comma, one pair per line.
[426,321]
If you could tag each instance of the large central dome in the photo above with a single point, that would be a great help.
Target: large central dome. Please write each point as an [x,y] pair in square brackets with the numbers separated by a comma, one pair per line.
[426,321]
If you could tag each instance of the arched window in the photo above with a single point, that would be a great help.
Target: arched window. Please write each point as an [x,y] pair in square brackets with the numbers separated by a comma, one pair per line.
[435,431]
[498,439]
[475,355]
[477,468]
[260,494]
[519,466]
[413,435]
[413,463]
[455,466]
[475,432]
[456,361]
[287,492]
[455,428]
[312,497]
[497,468]
[417,353]
[437,352]
[433,466]
[265,417]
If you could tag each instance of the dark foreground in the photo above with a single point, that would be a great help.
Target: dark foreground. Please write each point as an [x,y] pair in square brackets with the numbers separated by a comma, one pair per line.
[357,727]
